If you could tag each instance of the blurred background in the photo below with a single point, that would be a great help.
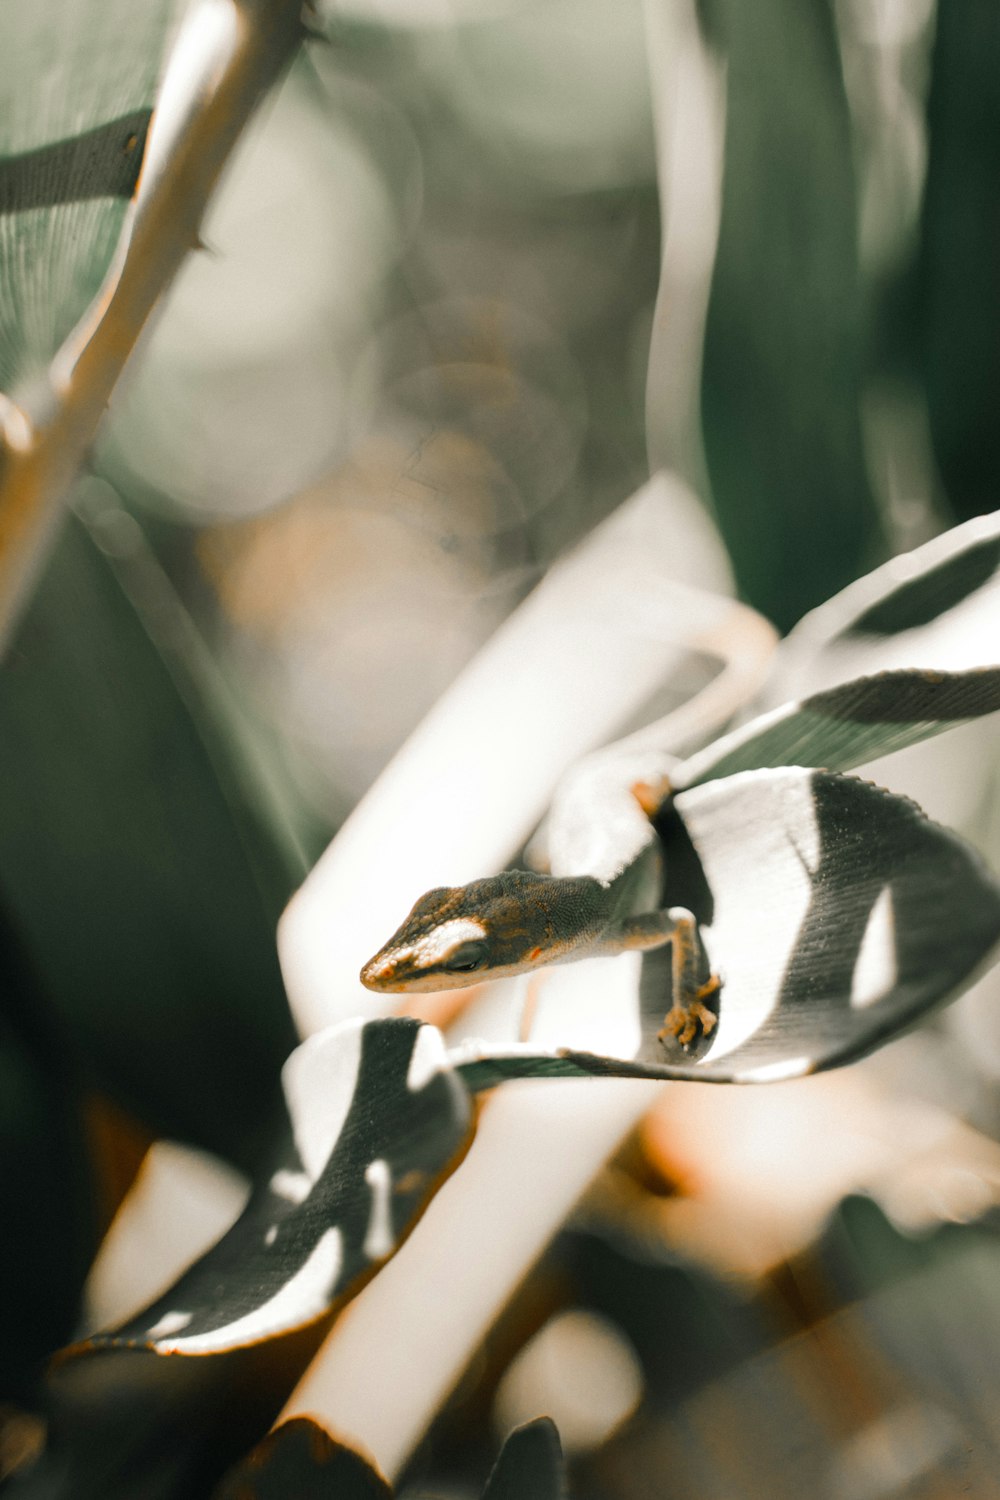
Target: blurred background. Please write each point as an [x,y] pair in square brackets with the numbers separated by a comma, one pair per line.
[411,366]
[428,345]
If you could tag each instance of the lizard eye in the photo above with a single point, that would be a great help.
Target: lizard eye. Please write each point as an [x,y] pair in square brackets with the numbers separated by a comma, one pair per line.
[466,959]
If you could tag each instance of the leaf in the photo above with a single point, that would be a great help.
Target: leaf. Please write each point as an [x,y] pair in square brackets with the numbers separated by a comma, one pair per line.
[130,1424]
[861,913]
[935,608]
[50,1227]
[76,95]
[138,868]
[377,1119]
[530,1465]
[925,624]
[958,309]
[301,1459]
[835,913]
[850,725]
[783,357]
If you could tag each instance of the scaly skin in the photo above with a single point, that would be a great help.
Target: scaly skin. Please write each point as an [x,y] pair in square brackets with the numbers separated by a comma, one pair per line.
[520,921]
[507,924]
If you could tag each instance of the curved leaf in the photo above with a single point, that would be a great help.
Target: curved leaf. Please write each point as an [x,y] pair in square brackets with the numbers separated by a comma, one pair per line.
[936,608]
[847,726]
[300,1458]
[925,631]
[835,913]
[75,101]
[377,1120]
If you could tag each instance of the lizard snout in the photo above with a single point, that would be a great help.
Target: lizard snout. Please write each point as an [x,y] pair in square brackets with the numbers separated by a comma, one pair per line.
[378,972]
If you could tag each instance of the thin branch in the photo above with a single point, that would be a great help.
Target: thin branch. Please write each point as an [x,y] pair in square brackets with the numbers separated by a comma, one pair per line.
[228,53]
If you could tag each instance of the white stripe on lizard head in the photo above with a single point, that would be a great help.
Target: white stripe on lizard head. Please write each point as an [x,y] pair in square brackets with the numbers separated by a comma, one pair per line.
[435,946]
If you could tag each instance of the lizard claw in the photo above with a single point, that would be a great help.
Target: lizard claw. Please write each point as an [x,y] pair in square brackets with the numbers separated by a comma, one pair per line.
[684,1019]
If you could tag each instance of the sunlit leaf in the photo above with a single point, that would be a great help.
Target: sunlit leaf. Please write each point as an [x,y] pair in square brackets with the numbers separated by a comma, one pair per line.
[849,725]
[840,911]
[936,608]
[76,93]
[376,1120]
[300,1459]
[835,913]
[926,625]
[530,1466]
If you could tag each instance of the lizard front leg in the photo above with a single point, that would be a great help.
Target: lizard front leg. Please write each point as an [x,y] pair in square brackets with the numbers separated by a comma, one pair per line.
[693,982]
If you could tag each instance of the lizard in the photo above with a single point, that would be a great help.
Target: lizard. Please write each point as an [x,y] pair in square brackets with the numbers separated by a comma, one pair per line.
[599,895]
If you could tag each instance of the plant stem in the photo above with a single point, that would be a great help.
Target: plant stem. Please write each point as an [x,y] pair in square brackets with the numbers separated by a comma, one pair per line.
[227,54]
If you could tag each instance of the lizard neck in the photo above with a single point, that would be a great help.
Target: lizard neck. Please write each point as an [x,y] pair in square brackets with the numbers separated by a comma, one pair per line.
[552,918]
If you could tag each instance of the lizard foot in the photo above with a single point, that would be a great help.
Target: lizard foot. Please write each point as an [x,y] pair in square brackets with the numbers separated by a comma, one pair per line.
[684,1019]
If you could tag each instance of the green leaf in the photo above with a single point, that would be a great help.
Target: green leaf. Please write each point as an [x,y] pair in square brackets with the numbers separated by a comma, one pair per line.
[835,913]
[530,1465]
[77,88]
[783,357]
[958,307]
[301,1459]
[49,1233]
[138,869]
[849,725]
[935,608]
[925,624]
[377,1119]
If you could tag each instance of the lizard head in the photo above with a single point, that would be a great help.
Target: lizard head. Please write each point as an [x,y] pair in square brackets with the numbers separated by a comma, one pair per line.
[495,927]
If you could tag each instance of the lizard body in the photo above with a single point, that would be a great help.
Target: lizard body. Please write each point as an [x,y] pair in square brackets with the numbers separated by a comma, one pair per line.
[597,900]
[600,893]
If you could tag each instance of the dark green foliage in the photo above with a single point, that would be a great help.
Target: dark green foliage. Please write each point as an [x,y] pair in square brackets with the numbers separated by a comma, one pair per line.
[49,1233]
[137,1426]
[299,1458]
[960,254]
[530,1465]
[144,888]
[783,346]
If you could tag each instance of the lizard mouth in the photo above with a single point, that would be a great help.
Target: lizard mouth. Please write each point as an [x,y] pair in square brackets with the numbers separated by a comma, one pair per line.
[379,973]
[386,975]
